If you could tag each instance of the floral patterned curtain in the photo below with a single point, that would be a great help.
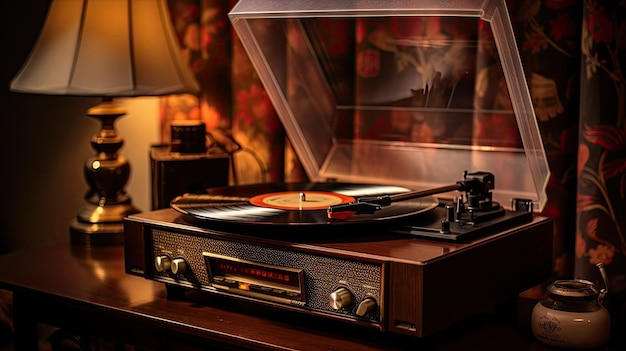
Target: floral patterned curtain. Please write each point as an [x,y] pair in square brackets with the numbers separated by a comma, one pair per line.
[232,103]
[601,168]
[572,52]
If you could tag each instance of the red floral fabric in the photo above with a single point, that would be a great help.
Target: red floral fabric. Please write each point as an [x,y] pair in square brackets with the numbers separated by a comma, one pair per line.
[573,53]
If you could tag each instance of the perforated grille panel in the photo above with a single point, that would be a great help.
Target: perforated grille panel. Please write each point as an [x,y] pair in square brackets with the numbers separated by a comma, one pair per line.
[323,274]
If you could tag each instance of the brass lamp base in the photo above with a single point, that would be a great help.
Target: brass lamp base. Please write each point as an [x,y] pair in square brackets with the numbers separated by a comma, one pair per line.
[98,225]
[100,221]
[96,234]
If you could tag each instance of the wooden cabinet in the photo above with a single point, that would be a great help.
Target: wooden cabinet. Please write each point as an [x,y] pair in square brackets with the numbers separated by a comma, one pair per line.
[86,292]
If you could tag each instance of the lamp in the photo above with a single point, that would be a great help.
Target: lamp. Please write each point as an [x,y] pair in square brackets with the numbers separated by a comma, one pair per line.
[107,49]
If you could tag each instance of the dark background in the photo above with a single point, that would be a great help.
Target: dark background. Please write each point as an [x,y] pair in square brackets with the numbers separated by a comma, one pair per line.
[44,143]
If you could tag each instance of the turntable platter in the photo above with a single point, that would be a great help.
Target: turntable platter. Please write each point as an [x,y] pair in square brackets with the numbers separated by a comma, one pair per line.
[281,204]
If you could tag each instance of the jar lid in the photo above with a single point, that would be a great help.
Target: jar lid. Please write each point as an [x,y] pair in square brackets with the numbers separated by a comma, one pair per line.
[582,289]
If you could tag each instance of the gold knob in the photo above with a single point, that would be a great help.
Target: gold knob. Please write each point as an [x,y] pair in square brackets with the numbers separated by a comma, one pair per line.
[162,263]
[340,298]
[179,265]
[368,305]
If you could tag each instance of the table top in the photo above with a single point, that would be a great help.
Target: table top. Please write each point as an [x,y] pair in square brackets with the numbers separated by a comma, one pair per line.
[94,278]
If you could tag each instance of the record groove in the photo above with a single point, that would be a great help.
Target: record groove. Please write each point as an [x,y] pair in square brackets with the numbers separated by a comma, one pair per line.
[289,204]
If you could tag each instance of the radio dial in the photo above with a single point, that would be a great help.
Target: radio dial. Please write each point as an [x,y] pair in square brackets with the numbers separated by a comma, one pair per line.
[340,299]
[368,305]
[162,263]
[179,265]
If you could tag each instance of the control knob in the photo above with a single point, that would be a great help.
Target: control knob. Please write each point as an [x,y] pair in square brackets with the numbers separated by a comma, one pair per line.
[162,263]
[340,299]
[179,265]
[368,305]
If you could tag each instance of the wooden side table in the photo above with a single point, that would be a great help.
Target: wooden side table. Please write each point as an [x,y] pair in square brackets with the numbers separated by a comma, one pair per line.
[86,292]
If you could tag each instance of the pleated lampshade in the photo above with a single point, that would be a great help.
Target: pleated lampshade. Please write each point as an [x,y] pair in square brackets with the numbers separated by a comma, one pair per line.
[106,48]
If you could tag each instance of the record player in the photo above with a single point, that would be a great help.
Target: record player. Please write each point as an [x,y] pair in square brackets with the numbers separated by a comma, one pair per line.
[414,218]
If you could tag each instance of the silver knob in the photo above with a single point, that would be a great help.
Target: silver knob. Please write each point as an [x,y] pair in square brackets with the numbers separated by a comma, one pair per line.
[340,298]
[162,263]
[179,265]
[368,305]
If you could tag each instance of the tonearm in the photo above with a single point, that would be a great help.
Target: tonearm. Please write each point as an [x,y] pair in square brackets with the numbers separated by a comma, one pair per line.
[476,185]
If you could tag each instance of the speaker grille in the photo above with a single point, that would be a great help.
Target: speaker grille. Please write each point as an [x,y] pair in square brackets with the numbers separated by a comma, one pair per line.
[323,274]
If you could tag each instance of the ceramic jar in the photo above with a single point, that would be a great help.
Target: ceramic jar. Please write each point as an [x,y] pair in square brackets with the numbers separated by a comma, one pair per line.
[572,315]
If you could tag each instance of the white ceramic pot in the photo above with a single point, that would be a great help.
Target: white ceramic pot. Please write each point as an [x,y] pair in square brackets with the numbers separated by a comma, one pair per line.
[574,330]
[572,315]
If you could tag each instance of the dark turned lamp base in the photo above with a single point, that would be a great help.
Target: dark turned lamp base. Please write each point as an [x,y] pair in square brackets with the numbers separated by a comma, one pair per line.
[100,221]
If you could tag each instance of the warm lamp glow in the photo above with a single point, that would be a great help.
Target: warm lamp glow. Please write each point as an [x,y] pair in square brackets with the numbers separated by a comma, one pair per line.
[106,48]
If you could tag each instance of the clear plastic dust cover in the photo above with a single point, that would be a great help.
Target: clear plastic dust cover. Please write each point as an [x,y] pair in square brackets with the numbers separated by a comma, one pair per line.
[403,92]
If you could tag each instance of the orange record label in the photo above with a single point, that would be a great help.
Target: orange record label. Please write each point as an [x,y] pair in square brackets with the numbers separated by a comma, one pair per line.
[300,200]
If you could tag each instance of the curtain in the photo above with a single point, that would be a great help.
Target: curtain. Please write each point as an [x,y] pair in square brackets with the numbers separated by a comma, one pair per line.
[233,105]
[572,53]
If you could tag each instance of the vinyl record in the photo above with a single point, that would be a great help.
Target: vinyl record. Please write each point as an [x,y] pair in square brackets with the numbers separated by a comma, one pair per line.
[281,204]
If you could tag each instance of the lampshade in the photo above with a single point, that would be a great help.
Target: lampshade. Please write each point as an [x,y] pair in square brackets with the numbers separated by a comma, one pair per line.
[106,48]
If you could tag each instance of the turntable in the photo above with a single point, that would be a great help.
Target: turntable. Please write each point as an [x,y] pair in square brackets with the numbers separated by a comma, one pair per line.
[402,231]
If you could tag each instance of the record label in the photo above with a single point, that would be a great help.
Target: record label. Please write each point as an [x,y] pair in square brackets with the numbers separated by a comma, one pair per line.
[289,204]
[300,200]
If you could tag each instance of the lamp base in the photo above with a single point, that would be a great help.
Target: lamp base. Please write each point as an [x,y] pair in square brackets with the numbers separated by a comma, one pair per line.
[101,220]
[96,234]
[98,225]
